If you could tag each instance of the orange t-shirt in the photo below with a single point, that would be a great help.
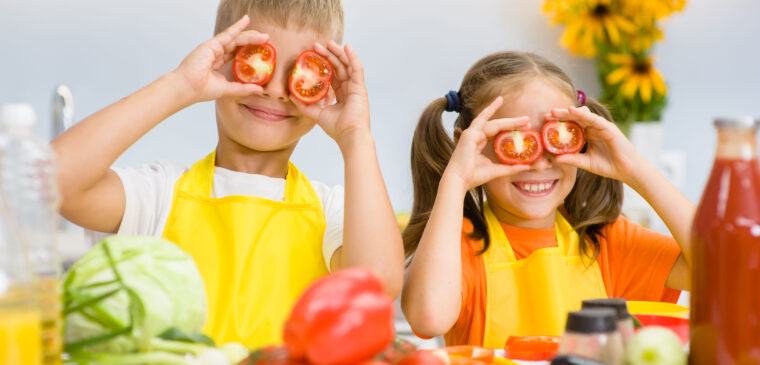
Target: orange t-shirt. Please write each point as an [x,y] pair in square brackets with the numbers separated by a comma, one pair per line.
[635,263]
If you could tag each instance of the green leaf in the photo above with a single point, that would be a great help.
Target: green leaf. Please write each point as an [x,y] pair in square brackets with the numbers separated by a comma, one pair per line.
[176,334]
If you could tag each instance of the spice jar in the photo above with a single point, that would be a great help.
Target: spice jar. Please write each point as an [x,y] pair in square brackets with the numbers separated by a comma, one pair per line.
[624,319]
[593,334]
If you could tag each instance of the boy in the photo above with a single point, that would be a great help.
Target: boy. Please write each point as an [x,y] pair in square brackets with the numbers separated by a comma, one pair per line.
[258,229]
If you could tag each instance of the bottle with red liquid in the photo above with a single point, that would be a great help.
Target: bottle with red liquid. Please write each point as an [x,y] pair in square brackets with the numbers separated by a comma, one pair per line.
[725,292]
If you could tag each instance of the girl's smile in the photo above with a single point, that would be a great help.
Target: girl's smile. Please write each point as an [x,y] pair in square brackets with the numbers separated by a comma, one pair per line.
[536,188]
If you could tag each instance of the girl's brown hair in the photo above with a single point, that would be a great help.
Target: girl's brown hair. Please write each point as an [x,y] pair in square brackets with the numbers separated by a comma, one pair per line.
[594,200]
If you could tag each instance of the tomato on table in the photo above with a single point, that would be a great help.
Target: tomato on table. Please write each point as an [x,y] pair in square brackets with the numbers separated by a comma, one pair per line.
[562,137]
[518,146]
[531,348]
[254,63]
[311,76]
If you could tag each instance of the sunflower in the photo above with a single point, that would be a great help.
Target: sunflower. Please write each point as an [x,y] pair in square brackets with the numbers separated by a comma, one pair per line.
[636,74]
[658,9]
[595,21]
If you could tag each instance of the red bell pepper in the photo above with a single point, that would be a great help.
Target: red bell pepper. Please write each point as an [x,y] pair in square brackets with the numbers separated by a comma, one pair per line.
[341,319]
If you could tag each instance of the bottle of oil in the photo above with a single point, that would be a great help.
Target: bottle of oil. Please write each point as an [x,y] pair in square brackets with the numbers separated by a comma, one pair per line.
[28,180]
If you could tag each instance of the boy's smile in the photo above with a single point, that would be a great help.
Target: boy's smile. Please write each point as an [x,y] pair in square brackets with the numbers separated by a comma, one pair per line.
[268,113]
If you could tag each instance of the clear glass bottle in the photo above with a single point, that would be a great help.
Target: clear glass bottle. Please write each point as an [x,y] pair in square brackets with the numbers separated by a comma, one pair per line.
[619,305]
[725,290]
[28,178]
[19,317]
[593,334]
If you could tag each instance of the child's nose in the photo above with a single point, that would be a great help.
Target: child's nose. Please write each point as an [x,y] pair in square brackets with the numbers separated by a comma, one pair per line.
[277,87]
[544,162]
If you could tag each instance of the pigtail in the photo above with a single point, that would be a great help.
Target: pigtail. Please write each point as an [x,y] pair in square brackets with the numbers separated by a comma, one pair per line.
[431,150]
[595,201]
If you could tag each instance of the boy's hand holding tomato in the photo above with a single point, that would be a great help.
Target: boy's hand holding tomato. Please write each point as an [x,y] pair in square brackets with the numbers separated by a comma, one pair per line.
[345,109]
[468,163]
[199,71]
[608,152]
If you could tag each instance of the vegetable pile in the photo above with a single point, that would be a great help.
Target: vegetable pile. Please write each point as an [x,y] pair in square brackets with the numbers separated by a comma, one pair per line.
[138,300]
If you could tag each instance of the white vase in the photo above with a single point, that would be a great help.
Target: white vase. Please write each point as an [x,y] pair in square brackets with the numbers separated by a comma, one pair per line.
[648,139]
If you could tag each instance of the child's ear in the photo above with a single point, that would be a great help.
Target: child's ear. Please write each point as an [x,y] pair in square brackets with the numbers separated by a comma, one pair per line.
[457,134]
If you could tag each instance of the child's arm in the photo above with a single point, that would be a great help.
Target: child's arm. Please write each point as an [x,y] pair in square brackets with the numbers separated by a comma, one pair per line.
[610,154]
[93,195]
[432,294]
[371,237]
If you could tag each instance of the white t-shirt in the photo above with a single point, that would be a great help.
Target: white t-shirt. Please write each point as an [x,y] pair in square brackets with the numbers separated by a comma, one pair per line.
[149,192]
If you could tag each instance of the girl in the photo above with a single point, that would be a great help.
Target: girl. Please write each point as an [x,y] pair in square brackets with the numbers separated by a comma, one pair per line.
[535,239]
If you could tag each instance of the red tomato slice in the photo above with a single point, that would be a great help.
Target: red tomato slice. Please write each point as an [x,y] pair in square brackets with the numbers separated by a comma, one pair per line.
[531,348]
[254,63]
[470,352]
[518,147]
[560,138]
[311,76]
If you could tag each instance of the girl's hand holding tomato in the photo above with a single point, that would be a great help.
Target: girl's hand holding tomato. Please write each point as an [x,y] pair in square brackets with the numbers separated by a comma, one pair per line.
[199,71]
[468,163]
[608,152]
[345,109]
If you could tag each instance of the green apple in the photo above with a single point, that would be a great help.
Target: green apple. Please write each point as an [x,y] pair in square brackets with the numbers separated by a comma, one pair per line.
[655,345]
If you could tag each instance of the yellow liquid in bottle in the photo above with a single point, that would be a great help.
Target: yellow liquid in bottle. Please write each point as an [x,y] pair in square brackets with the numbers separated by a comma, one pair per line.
[51,319]
[19,336]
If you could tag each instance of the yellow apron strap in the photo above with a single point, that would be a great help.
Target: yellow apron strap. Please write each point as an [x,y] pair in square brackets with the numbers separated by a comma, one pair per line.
[532,296]
[256,255]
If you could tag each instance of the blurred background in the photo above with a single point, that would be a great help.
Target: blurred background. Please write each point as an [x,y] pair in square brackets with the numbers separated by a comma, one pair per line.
[413,51]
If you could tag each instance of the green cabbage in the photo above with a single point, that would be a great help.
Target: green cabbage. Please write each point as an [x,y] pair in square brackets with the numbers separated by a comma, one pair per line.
[126,291]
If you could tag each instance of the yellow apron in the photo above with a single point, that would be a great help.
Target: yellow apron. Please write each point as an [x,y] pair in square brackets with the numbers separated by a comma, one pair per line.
[532,296]
[256,255]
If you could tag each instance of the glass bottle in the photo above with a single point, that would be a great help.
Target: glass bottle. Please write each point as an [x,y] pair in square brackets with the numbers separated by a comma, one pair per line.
[28,178]
[725,296]
[19,316]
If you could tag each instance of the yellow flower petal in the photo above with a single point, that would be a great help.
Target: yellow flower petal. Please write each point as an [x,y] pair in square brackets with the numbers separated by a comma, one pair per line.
[629,87]
[620,59]
[612,31]
[645,90]
[624,24]
[618,75]
[658,82]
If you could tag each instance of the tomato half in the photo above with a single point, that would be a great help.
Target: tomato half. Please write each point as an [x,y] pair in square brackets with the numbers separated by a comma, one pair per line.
[518,147]
[311,76]
[254,63]
[531,348]
[560,138]
[470,352]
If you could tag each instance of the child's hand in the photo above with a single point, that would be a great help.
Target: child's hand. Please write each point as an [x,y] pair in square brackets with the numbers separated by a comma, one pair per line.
[200,69]
[608,152]
[468,162]
[350,112]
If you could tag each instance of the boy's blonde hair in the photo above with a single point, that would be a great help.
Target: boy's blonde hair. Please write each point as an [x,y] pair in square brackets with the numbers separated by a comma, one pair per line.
[323,16]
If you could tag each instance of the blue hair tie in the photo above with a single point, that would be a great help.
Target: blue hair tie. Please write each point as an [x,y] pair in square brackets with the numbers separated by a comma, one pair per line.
[453,103]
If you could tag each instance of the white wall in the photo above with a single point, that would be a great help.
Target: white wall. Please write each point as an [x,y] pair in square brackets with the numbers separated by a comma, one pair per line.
[413,51]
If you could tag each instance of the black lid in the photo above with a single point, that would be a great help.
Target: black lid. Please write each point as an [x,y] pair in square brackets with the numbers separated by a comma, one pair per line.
[593,320]
[618,304]
[574,360]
